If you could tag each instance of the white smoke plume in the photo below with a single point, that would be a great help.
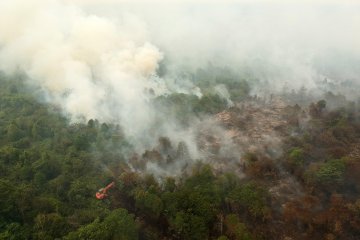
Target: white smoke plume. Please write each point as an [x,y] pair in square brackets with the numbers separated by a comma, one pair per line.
[92,66]
[94,59]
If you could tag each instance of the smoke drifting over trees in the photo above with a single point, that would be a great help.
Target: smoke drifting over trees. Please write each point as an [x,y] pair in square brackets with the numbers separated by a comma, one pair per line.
[97,62]
[110,60]
[90,52]
[214,119]
[89,65]
[211,119]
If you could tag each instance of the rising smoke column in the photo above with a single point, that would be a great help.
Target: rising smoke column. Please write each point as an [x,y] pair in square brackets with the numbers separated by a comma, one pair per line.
[93,67]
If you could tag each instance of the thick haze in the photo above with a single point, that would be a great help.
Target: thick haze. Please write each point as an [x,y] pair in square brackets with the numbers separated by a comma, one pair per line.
[298,42]
[99,58]
[89,65]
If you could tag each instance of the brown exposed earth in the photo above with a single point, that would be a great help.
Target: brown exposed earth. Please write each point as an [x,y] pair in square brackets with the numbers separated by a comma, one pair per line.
[256,126]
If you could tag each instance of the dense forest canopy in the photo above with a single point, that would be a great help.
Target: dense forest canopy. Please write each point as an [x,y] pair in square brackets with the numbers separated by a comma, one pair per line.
[51,169]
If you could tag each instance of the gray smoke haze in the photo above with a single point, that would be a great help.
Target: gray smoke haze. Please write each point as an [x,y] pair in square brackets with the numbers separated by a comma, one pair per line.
[91,66]
[293,42]
[99,58]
